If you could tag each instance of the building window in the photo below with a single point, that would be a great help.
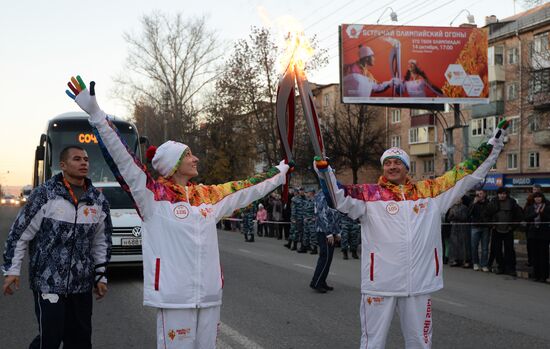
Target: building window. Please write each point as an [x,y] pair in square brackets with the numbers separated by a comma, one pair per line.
[496,91]
[539,81]
[534,123]
[413,167]
[326,102]
[396,141]
[539,51]
[496,55]
[512,161]
[513,55]
[415,112]
[419,135]
[512,91]
[429,166]
[513,129]
[395,116]
[482,126]
[534,159]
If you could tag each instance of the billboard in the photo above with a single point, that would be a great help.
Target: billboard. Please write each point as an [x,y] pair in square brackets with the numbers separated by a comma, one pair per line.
[413,65]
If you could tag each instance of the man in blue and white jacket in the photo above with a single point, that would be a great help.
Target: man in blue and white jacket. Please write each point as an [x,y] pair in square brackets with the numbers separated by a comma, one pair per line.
[66,227]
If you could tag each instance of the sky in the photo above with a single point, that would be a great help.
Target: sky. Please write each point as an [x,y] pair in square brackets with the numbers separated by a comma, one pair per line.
[44,43]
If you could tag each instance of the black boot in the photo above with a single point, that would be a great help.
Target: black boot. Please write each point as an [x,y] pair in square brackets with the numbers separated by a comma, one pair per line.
[288,244]
[302,249]
[354,254]
[294,246]
[345,253]
[314,250]
[245,237]
[251,238]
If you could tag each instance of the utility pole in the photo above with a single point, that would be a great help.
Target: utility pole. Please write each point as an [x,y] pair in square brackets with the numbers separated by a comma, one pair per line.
[450,140]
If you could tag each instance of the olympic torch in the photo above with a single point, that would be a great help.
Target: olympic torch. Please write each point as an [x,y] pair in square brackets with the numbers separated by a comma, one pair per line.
[285,109]
[294,74]
[312,122]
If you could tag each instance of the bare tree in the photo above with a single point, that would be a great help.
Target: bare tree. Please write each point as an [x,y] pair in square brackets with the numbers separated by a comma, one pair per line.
[249,84]
[352,139]
[170,63]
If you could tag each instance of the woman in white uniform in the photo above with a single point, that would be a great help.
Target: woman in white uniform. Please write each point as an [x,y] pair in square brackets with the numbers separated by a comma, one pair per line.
[182,272]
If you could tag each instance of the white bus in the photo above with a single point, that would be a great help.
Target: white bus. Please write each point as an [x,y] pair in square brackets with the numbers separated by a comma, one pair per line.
[73,129]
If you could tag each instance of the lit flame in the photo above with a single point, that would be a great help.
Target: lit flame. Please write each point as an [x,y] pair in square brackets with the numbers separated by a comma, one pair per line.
[296,48]
[297,51]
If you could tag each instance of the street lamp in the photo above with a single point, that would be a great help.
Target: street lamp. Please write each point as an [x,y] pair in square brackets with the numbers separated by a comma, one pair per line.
[470,17]
[393,15]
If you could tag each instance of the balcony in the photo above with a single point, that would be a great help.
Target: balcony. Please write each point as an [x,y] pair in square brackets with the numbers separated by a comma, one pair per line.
[540,101]
[423,120]
[491,109]
[542,137]
[422,149]
[496,72]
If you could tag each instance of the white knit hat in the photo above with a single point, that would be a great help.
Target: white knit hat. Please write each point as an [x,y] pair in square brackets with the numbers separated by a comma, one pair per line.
[365,51]
[168,157]
[396,153]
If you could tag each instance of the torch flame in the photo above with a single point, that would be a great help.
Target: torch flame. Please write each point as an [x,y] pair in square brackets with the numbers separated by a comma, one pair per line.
[297,51]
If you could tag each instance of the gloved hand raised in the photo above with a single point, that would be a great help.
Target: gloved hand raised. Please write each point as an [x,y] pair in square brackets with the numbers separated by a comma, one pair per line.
[320,165]
[497,141]
[283,164]
[85,98]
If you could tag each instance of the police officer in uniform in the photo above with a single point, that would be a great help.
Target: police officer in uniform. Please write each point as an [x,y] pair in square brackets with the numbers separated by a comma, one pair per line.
[297,220]
[310,236]
[351,232]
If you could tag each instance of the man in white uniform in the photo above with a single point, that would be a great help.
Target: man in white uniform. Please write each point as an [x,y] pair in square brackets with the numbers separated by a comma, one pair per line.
[401,237]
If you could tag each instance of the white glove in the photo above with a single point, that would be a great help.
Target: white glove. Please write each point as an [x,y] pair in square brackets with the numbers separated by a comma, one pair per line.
[282,167]
[85,98]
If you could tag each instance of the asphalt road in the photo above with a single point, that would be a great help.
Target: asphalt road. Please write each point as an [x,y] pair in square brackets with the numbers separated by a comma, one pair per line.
[268,304]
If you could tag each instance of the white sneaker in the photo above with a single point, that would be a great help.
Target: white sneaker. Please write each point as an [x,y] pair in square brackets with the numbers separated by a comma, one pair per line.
[476,267]
[485,269]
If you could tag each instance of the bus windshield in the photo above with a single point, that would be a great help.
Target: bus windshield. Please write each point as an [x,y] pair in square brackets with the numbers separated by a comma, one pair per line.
[79,132]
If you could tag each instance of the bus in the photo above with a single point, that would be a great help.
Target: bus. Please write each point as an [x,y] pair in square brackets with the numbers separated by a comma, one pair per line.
[73,129]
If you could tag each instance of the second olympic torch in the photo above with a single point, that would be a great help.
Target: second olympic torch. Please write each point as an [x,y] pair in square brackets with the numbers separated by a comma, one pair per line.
[294,75]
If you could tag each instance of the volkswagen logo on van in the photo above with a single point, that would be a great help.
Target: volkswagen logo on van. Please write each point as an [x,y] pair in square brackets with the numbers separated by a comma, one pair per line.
[136,231]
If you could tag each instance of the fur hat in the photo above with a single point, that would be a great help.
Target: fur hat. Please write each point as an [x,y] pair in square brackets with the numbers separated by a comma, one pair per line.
[396,153]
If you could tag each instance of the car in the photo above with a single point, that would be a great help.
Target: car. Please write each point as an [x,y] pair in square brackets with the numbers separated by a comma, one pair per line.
[9,200]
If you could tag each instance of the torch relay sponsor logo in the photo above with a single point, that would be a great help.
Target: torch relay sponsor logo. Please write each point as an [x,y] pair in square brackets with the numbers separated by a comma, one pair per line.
[179,334]
[375,300]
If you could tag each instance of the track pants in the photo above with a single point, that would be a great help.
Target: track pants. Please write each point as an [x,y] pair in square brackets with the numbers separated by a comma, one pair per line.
[415,315]
[326,252]
[63,319]
[188,328]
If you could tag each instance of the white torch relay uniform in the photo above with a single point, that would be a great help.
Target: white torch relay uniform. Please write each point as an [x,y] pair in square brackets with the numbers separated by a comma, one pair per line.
[401,261]
[181,264]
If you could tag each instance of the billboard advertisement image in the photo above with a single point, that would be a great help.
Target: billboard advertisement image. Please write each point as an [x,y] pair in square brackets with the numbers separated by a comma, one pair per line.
[413,65]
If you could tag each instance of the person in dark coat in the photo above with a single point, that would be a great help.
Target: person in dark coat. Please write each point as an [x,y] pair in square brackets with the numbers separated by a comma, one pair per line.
[538,231]
[506,214]
[459,249]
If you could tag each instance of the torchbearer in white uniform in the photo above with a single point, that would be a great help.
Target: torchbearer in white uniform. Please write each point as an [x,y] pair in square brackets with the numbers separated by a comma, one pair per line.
[401,262]
[181,264]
